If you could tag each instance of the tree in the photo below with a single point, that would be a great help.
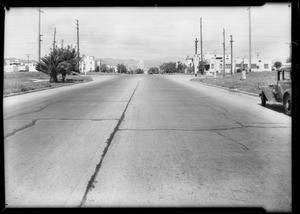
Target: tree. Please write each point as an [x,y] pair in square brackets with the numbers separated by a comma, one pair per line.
[169,67]
[203,64]
[139,71]
[64,68]
[153,70]
[104,68]
[180,67]
[111,70]
[121,68]
[277,64]
[49,65]
[59,61]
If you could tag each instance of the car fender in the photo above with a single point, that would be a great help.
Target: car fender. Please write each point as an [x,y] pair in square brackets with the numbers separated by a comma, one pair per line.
[268,94]
[287,92]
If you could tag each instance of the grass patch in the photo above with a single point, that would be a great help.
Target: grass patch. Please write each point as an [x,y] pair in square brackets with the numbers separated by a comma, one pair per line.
[252,83]
[16,82]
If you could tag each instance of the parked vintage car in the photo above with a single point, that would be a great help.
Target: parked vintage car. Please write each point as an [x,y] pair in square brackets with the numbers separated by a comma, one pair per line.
[279,91]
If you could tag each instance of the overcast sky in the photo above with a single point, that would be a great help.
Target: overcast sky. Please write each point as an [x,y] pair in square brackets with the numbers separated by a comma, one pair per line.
[145,33]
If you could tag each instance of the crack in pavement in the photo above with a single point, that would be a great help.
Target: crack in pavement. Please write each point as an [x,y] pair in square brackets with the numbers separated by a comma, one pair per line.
[228,138]
[32,123]
[91,182]
[29,112]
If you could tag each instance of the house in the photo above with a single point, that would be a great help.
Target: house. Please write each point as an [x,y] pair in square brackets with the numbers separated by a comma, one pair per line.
[87,64]
[188,62]
[16,65]
[257,65]
[215,63]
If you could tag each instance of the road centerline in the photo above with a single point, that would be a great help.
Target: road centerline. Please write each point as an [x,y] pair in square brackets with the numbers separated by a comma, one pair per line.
[108,142]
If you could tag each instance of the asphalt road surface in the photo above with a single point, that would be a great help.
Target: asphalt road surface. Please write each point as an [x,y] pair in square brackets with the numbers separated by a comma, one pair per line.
[145,141]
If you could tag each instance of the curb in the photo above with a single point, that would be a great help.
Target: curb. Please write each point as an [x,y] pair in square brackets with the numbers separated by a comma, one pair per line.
[228,89]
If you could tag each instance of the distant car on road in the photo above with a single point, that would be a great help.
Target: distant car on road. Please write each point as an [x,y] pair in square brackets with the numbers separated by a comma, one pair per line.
[279,91]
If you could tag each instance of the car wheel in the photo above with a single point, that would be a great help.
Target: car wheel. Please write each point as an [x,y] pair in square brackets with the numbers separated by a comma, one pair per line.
[263,99]
[288,105]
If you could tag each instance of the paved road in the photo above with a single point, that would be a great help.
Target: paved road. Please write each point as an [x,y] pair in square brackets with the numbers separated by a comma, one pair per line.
[145,141]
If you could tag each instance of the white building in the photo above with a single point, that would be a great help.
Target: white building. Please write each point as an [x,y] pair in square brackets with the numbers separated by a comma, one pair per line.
[257,65]
[215,62]
[87,64]
[17,66]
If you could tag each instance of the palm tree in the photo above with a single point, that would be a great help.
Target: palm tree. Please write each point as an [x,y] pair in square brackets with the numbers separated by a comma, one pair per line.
[60,61]
[49,65]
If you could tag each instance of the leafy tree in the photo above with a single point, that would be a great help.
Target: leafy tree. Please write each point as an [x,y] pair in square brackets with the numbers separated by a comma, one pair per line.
[111,70]
[203,64]
[121,68]
[139,71]
[277,64]
[153,70]
[104,68]
[180,67]
[169,67]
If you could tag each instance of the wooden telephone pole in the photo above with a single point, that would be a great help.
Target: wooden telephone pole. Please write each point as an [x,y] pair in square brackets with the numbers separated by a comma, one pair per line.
[231,68]
[78,56]
[39,36]
[249,39]
[54,39]
[201,46]
[223,52]
[196,41]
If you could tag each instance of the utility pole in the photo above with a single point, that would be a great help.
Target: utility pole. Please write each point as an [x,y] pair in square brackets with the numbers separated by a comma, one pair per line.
[223,52]
[28,61]
[62,43]
[39,36]
[231,68]
[195,59]
[249,39]
[196,41]
[201,46]
[257,54]
[54,39]
[77,27]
